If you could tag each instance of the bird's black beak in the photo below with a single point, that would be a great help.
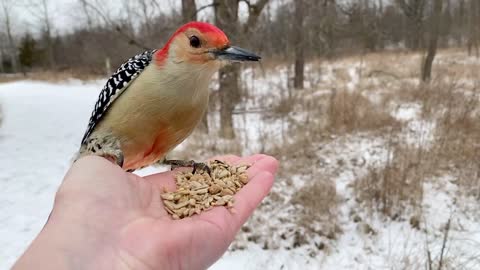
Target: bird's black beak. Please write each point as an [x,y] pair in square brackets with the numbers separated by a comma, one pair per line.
[235,54]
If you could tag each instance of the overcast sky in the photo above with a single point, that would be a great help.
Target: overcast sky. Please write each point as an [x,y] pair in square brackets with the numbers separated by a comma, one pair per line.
[67,14]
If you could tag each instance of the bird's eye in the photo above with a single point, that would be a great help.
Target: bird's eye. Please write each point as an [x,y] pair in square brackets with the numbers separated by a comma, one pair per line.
[194,42]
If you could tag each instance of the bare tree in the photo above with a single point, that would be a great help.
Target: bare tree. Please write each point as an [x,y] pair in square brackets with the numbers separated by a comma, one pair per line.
[93,8]
[474,32]
[460,21]
[327,27]
[147,12]
[7,6]
[2,70]
[40,10]
[299,45]
[414,11]
[363,25]
[226,18]
[88,16]
[433,40]
[47,22]
[254,11]
[330,25]
[189,10]
[3,42]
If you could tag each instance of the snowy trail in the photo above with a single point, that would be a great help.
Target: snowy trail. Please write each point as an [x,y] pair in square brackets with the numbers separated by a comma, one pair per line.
[43,124]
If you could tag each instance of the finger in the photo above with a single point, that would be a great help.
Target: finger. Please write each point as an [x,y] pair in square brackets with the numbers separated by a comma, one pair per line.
[259,163]
[261,176]
[250,160]
[164,181]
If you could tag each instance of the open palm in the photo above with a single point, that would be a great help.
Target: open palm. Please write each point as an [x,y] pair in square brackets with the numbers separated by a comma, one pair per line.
[132,230]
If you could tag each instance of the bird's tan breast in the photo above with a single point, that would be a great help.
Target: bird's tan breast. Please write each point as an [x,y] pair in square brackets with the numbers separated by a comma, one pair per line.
[153,116]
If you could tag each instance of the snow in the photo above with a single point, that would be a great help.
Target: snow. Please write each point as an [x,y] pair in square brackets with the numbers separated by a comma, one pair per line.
[353,72]
[407,112]
[257,258]
[43,124]
[42,127]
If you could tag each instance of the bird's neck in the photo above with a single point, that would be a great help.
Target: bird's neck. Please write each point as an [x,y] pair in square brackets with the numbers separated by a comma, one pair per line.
[190,81]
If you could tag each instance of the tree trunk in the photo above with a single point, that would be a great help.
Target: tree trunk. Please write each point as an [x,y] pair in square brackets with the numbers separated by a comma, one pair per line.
[87,14]
[226,18]
[474,19]
[299,45]
[229,97]
[1,61]
[48,34]
[416,29]
[329,27]
[378,21]
[189,10]
[51,58]
[461,22]
[12,50]
[433,41]
[413,11]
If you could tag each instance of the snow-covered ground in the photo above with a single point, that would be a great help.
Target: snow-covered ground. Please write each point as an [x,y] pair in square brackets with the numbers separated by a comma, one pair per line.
[41,130]
[42,127]
[43,124]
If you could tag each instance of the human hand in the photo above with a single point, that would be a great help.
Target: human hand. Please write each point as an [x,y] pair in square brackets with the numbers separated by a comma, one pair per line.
[105,218]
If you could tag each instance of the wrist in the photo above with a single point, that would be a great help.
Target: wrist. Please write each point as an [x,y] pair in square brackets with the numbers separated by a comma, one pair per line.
[68,242]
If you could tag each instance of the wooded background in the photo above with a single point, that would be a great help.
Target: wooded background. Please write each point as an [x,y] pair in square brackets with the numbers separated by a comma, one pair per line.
[278,30]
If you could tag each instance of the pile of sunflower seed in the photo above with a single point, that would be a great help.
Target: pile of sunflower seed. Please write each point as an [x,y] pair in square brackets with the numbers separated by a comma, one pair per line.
[201,191]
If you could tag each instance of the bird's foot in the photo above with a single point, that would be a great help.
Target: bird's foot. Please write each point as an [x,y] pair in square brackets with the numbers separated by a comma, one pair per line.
[200,166]
[197,166]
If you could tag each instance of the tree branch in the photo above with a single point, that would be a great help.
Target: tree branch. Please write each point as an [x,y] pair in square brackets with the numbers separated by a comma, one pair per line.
[118,29]
[202,8]
[254,11]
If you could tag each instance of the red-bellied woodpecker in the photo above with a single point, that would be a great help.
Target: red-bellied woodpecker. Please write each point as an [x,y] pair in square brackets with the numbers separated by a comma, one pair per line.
[155,99]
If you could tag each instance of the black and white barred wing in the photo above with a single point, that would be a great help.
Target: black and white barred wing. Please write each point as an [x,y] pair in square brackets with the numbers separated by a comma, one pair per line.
[116,85]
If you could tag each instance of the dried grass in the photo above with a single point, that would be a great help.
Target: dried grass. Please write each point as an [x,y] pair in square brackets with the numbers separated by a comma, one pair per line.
[352,112]
[5,78]
[396,187]
[317,203]
[52,76]
[454,108]
[62,76]
[457,143]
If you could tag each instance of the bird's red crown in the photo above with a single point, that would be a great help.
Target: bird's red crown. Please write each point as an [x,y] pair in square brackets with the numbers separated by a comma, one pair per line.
[215,36]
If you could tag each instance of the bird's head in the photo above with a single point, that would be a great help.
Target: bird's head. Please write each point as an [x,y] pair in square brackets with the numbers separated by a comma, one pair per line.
[202,43]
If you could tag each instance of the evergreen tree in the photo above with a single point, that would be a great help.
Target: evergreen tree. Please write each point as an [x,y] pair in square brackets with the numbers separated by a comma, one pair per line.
[27,52]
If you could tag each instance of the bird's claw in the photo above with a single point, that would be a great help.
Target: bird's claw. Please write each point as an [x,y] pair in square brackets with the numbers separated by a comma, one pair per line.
[197,166]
